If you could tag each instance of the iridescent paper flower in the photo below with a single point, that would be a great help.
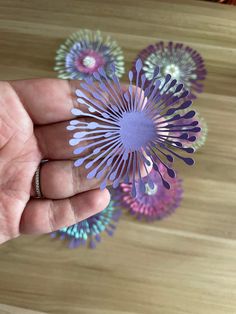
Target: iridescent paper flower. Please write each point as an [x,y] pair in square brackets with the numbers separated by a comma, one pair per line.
[182,62]
[153,203]
[200,136]
[89,230]
[130,130]
[84,52]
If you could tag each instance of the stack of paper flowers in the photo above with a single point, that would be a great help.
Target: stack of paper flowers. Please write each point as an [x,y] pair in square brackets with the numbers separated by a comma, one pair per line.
[132,135]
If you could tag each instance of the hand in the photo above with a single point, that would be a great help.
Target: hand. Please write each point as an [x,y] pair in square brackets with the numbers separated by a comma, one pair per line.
[33,119]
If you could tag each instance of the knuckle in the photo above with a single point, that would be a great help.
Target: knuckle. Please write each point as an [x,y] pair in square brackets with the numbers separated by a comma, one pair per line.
[73,211]
[100,200]
[52,216]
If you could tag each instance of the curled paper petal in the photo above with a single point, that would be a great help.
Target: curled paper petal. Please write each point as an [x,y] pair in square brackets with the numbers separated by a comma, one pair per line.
[135,128]
[84,52]
[89,230]
[182,62]
[154,202]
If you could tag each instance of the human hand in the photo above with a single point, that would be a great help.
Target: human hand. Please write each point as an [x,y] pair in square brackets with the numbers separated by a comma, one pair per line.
[33,119]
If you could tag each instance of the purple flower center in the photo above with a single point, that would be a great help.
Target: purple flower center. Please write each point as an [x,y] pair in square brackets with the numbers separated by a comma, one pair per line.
[89,61]
[136,130]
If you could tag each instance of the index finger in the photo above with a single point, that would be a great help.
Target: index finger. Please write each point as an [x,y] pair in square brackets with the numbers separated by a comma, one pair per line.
[47,100]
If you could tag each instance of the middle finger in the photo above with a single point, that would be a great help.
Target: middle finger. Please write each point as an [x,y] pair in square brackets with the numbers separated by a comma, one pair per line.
[53,141]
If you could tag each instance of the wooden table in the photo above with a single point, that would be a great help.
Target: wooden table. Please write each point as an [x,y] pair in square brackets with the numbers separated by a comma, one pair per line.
[185,264]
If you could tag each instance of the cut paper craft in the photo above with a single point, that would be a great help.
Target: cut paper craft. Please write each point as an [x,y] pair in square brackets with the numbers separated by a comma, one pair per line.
[182,62]
[130,130]
[200,136]
[89,230]
[84,52]
[154,203]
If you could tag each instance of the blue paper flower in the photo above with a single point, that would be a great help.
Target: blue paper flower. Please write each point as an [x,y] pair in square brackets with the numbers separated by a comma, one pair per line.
[89,230]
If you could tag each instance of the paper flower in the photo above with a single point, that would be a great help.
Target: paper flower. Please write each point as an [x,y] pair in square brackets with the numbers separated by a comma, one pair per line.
[200,136]
[153,203]
[130,130]
[88,231]
[84,52]
[182,62]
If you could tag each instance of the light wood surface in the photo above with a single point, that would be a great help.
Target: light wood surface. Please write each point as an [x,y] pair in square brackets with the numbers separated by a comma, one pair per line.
[185,264]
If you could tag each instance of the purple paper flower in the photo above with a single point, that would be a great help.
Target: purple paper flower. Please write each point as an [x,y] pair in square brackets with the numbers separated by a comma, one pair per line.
[89,230]
[130,130]
[182,62]
[84,52]
[153,203]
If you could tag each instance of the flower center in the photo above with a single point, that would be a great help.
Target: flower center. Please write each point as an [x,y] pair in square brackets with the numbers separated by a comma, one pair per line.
[136,130]
[89,62]
[173,70]
[150,191]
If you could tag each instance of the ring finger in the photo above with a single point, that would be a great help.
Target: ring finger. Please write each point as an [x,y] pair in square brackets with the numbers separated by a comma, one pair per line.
[53,141]
[60,179]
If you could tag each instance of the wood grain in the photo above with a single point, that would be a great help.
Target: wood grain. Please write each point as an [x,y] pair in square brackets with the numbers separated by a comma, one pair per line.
[185,264]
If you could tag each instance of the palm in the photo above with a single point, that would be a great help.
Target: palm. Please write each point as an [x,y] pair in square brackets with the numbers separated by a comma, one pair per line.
[27,135]
[19,157]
